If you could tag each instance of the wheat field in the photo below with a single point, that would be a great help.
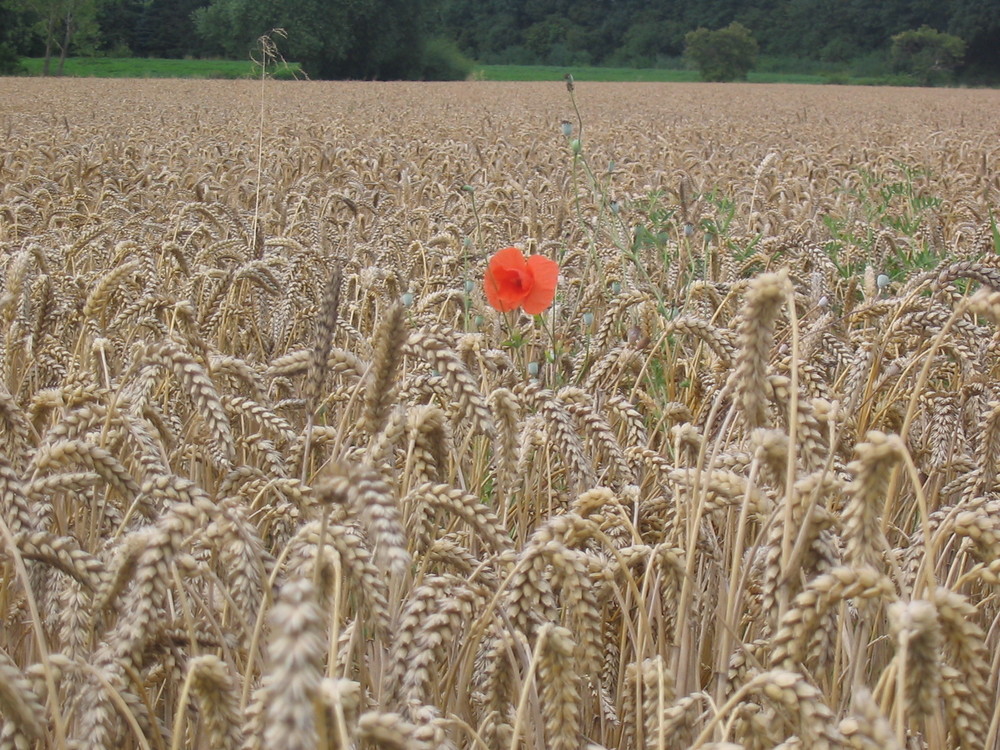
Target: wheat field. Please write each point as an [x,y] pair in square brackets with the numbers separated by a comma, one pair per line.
[275,475]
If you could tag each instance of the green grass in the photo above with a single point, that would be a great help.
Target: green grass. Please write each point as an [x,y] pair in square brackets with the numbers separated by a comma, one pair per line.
[556,73]
[142,67]
[580,73]
[786,78]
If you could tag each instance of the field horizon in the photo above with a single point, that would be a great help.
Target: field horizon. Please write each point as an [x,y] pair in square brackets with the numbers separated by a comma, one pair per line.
[769,70]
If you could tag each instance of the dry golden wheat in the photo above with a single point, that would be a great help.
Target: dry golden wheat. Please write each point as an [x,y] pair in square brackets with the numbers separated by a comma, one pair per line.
[273,472]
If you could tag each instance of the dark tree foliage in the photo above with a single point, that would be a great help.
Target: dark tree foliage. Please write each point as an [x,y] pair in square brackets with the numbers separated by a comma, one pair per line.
[11,28]
[362,39]
[420,38]
[9,61]
[650,39]
[165,28]
[646,32]
[118,21]
[977,22]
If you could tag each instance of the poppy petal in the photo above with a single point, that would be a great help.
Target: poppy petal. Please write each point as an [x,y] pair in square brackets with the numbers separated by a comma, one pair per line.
[545,277]
[495,296]
[507,279]
[509,257]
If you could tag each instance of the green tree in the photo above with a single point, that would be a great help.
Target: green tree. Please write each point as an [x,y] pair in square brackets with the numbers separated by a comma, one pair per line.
[63,24]
[10,30]
[643,32]
[117,20]
[978,23]
[556,40]
[926,53]
[165,28]
[648,40]
[361,39]
[726,54]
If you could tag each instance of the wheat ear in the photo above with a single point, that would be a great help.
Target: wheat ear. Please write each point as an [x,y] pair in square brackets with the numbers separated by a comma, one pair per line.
[20,705]
[756,336]
[388,353]
[295,661]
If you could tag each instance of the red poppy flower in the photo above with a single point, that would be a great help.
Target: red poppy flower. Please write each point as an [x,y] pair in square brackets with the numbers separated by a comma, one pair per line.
[515,281]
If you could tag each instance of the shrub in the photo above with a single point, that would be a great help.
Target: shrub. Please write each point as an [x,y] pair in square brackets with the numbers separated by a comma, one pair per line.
[724,54]
[929,55]
[444,61]
[10,63]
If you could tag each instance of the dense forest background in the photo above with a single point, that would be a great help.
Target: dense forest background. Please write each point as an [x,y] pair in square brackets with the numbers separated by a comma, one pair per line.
[406,38]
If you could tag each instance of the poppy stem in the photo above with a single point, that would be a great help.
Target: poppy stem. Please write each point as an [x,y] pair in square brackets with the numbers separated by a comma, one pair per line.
[509,330]
[550,330]
[579,117]
[475,214]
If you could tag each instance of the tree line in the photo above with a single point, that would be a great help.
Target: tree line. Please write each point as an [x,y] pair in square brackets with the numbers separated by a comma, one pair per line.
[438,38]
[640,33]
